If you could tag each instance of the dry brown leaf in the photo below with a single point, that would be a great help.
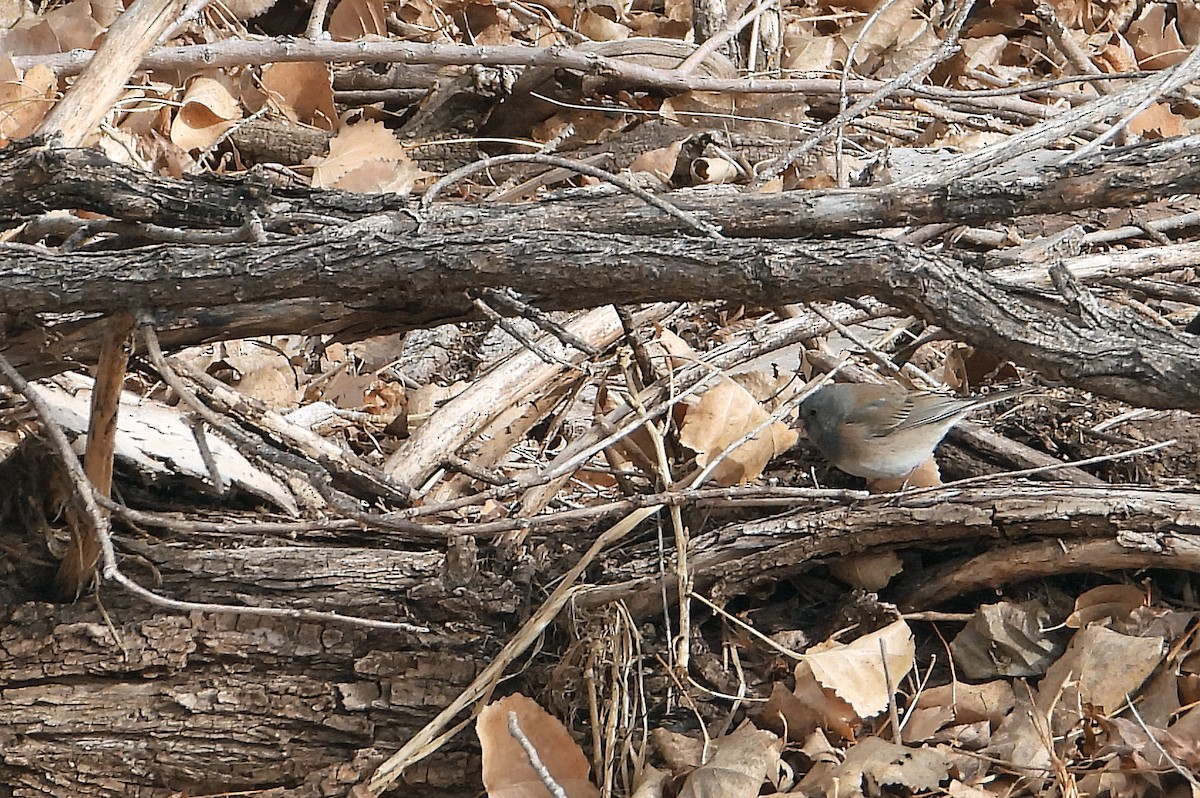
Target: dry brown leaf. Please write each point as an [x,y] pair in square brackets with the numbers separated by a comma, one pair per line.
[344,388]
[303,91]
[30,36]
[588,127]
[507,772]
[636,450]
[599,28]
[884,32]
[207,111]
[1118,55]
[982,52]
[1158,121]
[958,704]
[24,99]
[77,24]
[259,373]
[650,782]
[1020,740]
[741,763]
[1005,639]
[354,19]
[807,709]
[681,752]
[366,157]
[1100,667]
[806,52]
[1105,601]
[915,40]
[1155,38]
[387,399]
[723,414]
[874,764]
[856,671]
[1188,17]
[659,162]
[423,21]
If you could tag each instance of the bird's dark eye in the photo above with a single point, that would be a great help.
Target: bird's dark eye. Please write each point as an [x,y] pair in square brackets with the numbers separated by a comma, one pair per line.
[811,412]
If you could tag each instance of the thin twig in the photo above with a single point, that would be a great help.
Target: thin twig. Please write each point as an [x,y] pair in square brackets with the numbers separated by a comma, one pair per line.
[1182,771]
[718,40]
[508,299]
[505,323]
[702,227]
[315,30]
[535,761]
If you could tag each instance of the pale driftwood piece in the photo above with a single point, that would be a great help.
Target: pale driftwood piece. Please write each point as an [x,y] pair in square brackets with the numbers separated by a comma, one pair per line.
[519,377]
[91,97]
[1162,527]
[1096,269]
[531,388]
[342,464]
[156,441]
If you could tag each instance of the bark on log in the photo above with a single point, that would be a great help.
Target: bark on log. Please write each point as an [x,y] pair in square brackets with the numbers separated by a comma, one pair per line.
[389,280]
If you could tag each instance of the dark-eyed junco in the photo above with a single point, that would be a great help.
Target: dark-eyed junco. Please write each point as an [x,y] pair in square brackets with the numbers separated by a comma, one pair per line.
[884,431]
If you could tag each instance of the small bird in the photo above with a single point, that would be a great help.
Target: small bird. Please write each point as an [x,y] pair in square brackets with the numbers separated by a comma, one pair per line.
[884,431]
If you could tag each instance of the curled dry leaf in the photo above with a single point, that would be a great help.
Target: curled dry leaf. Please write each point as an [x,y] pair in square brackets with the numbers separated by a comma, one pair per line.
[659,162]
[1105,601]
[207,111]
[865,672]
[507,772]
[714,171]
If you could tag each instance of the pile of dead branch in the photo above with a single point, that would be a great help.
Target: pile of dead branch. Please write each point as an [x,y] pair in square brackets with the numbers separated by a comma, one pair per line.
[371,365]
